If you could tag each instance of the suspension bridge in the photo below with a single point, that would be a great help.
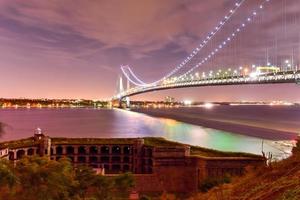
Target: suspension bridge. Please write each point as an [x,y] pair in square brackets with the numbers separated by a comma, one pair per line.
[185,75]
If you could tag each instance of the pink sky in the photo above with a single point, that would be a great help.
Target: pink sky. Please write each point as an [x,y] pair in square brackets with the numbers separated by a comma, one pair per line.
[74,49]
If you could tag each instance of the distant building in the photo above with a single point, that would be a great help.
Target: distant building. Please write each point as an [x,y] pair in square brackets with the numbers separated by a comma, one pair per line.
[158,165]
[4,153]
[169,99]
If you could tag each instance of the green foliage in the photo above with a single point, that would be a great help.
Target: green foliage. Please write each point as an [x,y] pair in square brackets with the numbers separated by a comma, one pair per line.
[123,183]
[209,183]
[38,178]
[44,179]
[84,176]
[1,128]
[103,187]
[7,176]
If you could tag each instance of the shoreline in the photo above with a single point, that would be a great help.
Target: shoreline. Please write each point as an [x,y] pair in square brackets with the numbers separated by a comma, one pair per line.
[252,131]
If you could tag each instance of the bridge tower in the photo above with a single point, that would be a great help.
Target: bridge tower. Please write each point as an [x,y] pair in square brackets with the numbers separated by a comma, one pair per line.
[127,99]
[120,88]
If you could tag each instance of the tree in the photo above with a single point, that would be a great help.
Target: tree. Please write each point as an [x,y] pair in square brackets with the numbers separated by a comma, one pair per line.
[1,128]
[103,187]
[43,179]
[8,179]
[123,183]
[38,178]
[85,176]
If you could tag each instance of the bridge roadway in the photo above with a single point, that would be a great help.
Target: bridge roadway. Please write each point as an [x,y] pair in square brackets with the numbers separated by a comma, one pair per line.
[271,78]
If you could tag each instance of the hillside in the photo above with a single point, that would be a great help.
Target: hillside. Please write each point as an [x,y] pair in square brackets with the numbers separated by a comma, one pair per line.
[280,181]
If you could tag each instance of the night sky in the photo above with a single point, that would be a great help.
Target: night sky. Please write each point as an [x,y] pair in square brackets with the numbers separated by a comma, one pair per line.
[74,48]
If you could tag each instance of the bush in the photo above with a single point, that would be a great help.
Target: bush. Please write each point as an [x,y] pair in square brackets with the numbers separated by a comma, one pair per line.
[38,178]
[209,183]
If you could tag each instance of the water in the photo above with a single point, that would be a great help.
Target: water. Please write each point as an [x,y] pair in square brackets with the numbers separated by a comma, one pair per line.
[88,122]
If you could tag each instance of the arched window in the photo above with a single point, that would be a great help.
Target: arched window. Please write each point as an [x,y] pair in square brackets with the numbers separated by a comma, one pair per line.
[93,150]
[20,154]
[81,150]
[126,159]
[104,159]
[11,155]
[126,150]
[30,152]
[105,150]
[81,159]
[59,150]
[116,159]
[93,159]
[149,152]
[70,150]
[116,150]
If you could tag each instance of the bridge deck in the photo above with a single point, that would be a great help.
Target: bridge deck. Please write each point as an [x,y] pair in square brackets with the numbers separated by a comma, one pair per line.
[274,78]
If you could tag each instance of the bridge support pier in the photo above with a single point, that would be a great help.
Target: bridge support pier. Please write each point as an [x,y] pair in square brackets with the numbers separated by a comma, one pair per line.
[127,99]
[121,103]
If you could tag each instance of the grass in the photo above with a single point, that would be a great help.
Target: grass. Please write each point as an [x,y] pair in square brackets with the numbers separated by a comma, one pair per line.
[27,142]
[279,181]
[201,151]
[196,150]
[148,141]
[159,141]
[95,141]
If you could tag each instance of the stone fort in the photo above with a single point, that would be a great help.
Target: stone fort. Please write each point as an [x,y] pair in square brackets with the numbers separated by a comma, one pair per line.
[157,164]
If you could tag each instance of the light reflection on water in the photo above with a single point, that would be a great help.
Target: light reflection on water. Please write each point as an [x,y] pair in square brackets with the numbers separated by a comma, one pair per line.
[206,137]
[121,123]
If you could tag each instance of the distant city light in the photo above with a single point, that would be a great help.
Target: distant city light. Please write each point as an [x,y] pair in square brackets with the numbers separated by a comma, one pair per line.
[208,105]
[254,74]
[187,102]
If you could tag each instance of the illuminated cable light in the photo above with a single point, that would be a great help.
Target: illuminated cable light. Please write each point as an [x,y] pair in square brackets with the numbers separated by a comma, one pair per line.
[132,81]
[243,25]
[237,6]
[224,43]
